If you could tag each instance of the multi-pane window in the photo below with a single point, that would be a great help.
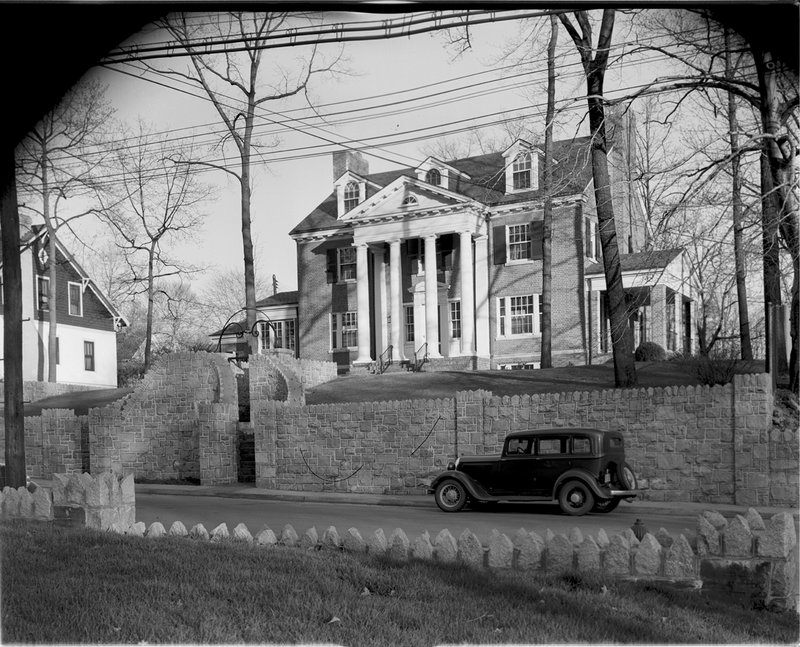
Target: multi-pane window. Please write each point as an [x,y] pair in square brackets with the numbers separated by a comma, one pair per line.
[351,195]
[42,293]
[409,323]
[344,330]
[518,315]
[521,171]
[519,242]
[455,319]
[88,355]
[75,299]
[592,242]
[281,332]
[347,263]
[433,177]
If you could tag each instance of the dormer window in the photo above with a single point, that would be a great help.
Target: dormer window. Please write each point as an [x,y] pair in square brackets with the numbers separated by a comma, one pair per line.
[521,167]
[521,171]
[433,176]
[351,196]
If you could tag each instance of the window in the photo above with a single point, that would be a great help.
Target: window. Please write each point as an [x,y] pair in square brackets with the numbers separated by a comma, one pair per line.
[519,315]
[591,241]
[75,299]
[519,446]
[282,333]
[290,342]
[344,330]
[519,242]
[42,293]
[521,171]
[351,195]
[347,264]
[551,446]
[409,201]
[433,177]
[455,320]
[409,323]
[581,445]
[88,355]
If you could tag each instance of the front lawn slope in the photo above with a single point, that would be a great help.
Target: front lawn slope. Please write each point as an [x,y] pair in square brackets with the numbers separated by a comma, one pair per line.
[63,585]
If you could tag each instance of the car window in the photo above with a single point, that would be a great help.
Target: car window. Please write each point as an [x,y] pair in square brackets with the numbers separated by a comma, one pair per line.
[581,445]
[552,446]
[615,442]
[519,446]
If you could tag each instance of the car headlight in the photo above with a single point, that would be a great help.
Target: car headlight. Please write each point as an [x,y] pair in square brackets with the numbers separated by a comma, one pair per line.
[451,465]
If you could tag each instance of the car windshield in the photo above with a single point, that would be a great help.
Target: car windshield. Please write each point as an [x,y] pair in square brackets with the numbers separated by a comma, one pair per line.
[519,446]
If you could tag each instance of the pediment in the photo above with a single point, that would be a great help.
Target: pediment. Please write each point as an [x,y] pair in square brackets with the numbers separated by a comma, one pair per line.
[405,195]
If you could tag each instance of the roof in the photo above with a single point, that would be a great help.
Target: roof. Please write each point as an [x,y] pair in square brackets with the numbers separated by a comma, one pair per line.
[571,175]
[650,260]
[561,430]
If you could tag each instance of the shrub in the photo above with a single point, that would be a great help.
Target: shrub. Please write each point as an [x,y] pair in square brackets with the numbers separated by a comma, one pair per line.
[715,371]
[129,372]
[649,351]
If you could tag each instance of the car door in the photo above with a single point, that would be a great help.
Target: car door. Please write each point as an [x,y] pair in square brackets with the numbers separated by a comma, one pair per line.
[551,458]
[515,470]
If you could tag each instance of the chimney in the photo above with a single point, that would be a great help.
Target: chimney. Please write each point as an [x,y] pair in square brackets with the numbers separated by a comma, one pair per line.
[349,161]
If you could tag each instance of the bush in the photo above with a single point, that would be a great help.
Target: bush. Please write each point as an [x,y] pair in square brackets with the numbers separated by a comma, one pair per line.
[129,373]
[649,351]
[715,371]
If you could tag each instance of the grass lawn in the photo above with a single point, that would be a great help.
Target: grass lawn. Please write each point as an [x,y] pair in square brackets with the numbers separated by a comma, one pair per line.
[412,386]
[63,585]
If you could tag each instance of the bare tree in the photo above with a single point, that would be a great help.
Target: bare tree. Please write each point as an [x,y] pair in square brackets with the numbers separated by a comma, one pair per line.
[595,61]
[547,182]
[256,81]
[157,202]
[55,164]
[222,294]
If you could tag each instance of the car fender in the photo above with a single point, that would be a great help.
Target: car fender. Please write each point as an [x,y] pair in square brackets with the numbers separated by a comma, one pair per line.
[584,477]
[471,486]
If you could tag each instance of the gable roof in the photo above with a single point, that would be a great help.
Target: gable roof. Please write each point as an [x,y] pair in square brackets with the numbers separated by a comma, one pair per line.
[650,260]
[39,233]
[571,175]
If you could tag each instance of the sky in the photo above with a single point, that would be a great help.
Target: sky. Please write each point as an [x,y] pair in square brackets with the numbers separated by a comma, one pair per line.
[286,191]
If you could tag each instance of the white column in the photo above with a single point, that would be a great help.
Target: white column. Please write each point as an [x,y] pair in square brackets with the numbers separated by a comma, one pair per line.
[396,299]
[431,298]
[467,295]
[362,289]
[482,331]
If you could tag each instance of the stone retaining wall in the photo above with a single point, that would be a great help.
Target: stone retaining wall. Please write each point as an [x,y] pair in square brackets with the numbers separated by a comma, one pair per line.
[689,443]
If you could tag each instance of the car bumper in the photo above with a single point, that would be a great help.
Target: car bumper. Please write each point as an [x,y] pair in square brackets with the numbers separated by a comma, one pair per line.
[624,494]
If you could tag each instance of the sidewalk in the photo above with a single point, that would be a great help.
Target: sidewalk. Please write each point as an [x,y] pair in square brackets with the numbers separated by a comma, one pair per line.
[243,491]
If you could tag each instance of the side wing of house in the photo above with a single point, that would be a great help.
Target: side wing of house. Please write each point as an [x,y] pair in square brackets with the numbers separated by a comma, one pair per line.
[86,321]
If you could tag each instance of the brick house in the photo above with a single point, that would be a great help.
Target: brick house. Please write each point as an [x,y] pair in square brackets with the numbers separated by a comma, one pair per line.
[443,261]
[87,321]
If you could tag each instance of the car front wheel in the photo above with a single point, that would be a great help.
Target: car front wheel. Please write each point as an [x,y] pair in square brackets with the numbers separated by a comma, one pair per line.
[575,498]
[450,496]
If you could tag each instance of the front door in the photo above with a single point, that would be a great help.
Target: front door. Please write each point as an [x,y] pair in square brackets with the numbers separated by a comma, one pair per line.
[550,460]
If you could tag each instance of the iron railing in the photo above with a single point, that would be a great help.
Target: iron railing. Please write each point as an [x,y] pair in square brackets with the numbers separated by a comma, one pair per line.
[385,360]
[421,352]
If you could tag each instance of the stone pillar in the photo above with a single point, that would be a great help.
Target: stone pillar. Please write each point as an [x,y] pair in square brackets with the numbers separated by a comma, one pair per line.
[658,315]
[467,295]
[362,289]
[396,300]
[482,331]
[431,298]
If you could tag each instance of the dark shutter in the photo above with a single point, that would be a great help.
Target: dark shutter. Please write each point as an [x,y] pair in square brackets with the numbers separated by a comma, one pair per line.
[499,245]
[537,238]
[330,270]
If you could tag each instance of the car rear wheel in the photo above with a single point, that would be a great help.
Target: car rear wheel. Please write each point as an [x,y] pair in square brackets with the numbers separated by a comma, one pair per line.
[450,496]
[626,477]
[605,505]
[575,498]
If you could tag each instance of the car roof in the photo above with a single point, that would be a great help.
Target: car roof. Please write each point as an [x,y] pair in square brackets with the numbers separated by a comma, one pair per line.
[561,430]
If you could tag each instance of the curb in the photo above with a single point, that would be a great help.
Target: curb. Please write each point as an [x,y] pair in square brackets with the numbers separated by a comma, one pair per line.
[419,500]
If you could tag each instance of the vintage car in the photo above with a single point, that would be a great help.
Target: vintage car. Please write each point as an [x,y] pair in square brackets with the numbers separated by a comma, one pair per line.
[583,469]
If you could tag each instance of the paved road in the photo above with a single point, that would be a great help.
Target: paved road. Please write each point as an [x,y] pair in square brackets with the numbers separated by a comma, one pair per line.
[507,518]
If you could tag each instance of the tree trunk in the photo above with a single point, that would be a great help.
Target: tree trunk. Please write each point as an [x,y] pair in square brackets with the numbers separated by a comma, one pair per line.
[547,181]
[247,240]
[52,295]
[148,336]
[736,196]
[12,327]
